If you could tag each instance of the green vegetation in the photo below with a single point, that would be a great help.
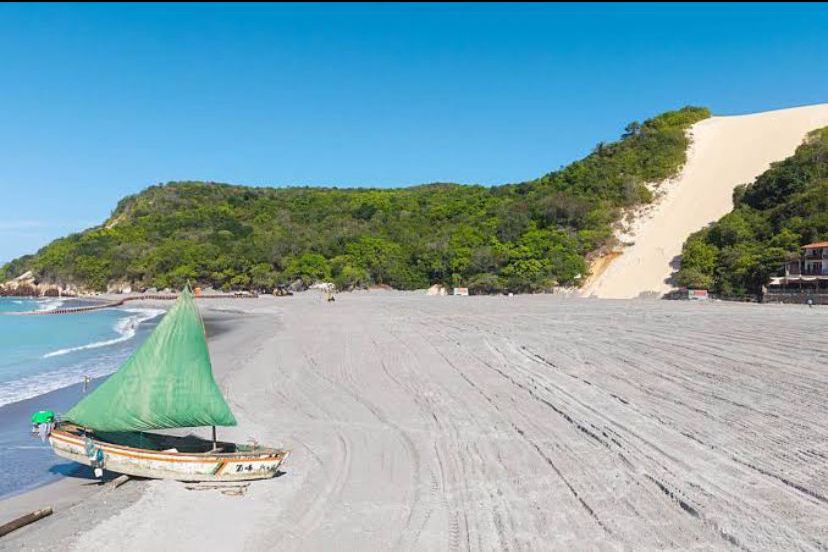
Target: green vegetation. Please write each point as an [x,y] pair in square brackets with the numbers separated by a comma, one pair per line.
[518,237]
[785,208]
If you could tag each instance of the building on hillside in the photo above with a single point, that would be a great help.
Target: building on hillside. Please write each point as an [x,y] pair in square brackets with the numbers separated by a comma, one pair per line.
[805,278]
[698,294]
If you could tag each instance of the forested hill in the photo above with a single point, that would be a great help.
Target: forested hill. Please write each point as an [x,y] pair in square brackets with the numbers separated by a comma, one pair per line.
[520,237]
[783,209]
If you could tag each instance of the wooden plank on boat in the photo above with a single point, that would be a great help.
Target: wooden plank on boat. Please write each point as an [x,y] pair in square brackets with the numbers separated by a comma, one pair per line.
[23,521]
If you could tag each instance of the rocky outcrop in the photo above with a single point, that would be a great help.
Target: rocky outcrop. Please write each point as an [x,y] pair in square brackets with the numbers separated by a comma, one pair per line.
[27,285]
[437,290]
[119,287]
[297,285]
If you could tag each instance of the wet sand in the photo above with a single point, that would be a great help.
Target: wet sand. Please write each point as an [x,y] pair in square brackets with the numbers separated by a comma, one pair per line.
[480,423]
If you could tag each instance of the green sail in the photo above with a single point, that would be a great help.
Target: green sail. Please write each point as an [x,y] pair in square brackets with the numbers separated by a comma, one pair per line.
[168,382]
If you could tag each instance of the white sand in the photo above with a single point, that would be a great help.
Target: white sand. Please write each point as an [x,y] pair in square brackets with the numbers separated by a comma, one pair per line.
[726,152]
[495,423]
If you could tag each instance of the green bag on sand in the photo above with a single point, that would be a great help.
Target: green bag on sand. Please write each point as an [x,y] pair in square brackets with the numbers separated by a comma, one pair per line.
[166,383]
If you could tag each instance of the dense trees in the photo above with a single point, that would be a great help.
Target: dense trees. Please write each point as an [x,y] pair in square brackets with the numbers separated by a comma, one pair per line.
[520,237]
[785,207]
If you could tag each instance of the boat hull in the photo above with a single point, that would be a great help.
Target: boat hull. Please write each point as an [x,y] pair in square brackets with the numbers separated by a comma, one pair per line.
[154,464]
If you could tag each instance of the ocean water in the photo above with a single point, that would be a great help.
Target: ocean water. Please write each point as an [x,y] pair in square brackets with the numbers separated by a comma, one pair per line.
[43,353]
[43,359]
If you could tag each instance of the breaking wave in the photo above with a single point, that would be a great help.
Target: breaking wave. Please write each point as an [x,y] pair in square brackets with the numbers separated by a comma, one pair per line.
[125,327]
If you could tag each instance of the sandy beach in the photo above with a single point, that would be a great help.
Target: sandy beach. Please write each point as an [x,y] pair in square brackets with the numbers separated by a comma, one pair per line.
[726,151]
[480,423]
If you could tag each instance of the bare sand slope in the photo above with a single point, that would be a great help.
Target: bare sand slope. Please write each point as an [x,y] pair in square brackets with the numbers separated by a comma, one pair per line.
[495,423]
[726,152]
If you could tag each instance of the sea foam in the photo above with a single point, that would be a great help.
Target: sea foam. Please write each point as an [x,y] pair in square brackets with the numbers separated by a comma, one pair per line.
[125,327]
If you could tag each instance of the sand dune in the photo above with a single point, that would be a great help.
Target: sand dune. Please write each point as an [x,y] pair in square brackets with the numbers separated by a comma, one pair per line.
[726,152]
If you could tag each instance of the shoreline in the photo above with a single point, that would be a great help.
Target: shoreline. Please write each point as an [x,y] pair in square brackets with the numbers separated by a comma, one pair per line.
[73,484]
[18,446]
[92,346]
[16,428]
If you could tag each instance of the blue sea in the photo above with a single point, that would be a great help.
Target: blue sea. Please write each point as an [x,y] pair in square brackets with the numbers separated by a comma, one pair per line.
[43,360]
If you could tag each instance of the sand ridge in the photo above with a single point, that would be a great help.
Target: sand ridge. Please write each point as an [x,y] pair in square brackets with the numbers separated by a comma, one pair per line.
[726,151]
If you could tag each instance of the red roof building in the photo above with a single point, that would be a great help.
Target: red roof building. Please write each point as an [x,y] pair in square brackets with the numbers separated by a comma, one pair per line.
[805,278]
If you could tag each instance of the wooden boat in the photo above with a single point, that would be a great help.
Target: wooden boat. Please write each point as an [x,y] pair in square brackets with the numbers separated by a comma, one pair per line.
[165,456]
[167,383]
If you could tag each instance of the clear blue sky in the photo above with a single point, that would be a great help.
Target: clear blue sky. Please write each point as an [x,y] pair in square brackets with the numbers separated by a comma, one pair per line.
[99,101]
